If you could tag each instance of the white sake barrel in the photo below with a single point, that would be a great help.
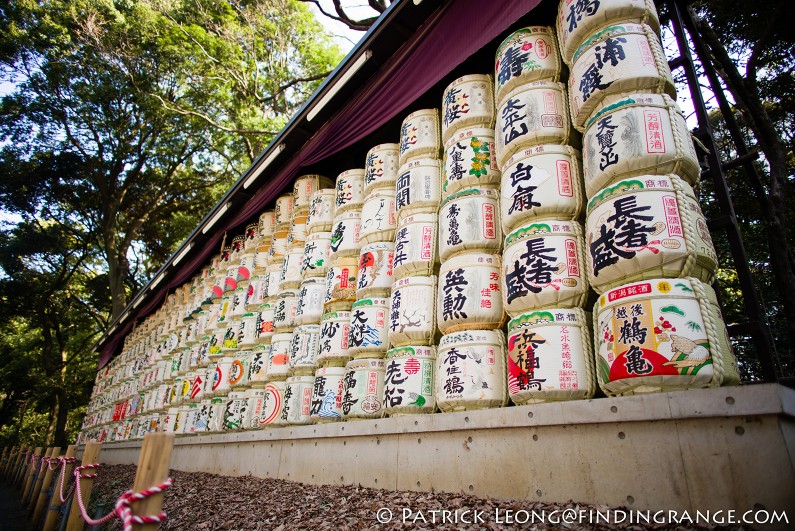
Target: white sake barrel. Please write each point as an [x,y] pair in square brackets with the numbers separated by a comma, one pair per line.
[321,211]
[379,217]
[216,344]
[471,370]
[221,380]
[253,238]
[363,392]
[279,357]
[274,403]
[230,282]
[420,136]
[661,335]
[199,384]
[543,182]
[248,336]
[415,245]
[235,411]
[283,211]
[262,257]
[469,221]
[419,186]
[267,224]
[245,268]
[533,114]
[290,276]
[238,303]
[239,371]
[284,313]
[375,270]
[304,349]
[297,232]
[317,250]
[305,186]
[543,267]
[211,377]
[230,343]
[412,315]
[257,369]
[255,293]
[310,301]
[346,234]
[215,421]
[637,134]
[550,356]
[526,55]
[469,294]
[170,420]
[278,245]
[298,400]
[619,58]
[255,407]
[327,394]
[470,160]
[409,380]
[578,20]
[349,190]
[265,326]
[272,275]
[646,227]
[335,332]
[369,328]
[468,101]
[341,284]
[381,167]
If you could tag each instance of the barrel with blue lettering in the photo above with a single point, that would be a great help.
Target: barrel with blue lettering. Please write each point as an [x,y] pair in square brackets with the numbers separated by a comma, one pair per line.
[526,55]
[467,102]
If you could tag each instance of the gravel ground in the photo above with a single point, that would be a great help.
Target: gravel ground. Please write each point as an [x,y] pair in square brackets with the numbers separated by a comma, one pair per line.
[207,502]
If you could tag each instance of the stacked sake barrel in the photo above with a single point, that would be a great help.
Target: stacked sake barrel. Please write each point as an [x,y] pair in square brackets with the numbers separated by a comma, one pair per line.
[543,277]
[649,255]
[470,366]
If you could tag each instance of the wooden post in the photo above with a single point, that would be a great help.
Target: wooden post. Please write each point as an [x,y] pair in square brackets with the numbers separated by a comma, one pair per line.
[55,504]
[43,497]
[16,469]
[28,474]
[7,462]
[152,470]
[38,478]
[90,456]
[3,459]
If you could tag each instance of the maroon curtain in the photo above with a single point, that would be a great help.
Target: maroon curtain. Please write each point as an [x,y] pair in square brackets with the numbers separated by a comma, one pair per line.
[445,40]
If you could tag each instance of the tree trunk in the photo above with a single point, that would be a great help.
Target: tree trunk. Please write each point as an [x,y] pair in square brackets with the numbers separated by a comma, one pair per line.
[116,273]
[61,417]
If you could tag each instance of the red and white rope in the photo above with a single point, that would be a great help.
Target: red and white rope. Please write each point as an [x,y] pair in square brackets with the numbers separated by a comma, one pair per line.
[64,462]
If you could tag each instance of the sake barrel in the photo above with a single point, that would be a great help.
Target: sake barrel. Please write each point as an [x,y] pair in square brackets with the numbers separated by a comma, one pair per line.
[278,246]
[297,232]
[469,294]
[645,227]
[198,384]
[298,400]
[369,328]
[660,335]
[305,186]
[272,275]
[381,167]
[470,161]
[170,420]
[238,303]
[375,270]
[637,134]
[284,313]
[304,349]
[579,19]
[255,407]
[550,356]
[274,402]
[341,284]
[230,281]
[526,55]
[263,255]
[363,390]
[247,336]
[265,326]
[412,315]
[467,101]
[239,371]
[290,275]
[468,221]
[257,369]
[317,250]
[335,332]
[230,343]
[379,217]
[327,394]
[533,114]
[409,380]
[221,385]
[471,370]
[618,58]
[245,268]
[420,135]
[236,249]
[349,191]
[255,293]
[543,267]
[310,301]
[216,344]
[419,186]
[346,234]
[321,211]
[267,224]
[283,211]
[234,411]
[542,182]
[279,357]
[415,245]
[253,237]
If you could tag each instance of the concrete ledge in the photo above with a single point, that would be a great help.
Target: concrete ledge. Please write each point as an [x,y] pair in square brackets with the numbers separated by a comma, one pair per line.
[705,449]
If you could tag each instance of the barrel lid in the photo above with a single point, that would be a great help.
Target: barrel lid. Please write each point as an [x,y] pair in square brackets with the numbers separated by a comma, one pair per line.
[419,351]
[330,316]
[422,161]
[634,184]
[365,363]
[624,100]
[491,193]
[548,227]
[384,147]
[522,33]
[644,289]
[475,131]
[605,32]
[359,172]
[421,112]
[535,85]
[414,281]
[473,336]
[370,302]
[567,316]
